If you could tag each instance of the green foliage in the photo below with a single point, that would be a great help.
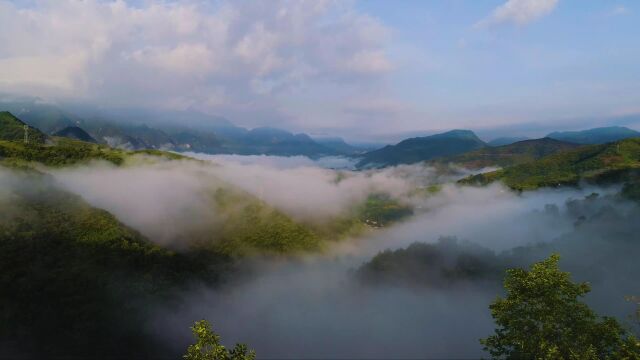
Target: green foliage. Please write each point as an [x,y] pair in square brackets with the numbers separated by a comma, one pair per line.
[251,226]
[541,317]
[509,155]
[445,263]
[208,347]
[635,317]
[12,129]
[596,163]
[75,281]
[381,210]
[65,151]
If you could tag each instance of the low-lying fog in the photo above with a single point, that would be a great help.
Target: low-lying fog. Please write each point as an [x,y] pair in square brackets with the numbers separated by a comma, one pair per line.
[313,307]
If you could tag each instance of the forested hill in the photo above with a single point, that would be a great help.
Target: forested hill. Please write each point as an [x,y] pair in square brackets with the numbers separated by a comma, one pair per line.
[419,149]
[612,162]
[508,155]
[12,128]
[170,130]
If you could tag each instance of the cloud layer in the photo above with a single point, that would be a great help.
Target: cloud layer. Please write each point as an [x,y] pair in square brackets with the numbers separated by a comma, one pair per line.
[520,12]
[225,57]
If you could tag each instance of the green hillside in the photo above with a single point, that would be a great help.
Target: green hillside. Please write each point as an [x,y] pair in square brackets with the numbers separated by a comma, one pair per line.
[619,161]
[74,279]
[512,154]
[12,129]
[419,149]
[64,151]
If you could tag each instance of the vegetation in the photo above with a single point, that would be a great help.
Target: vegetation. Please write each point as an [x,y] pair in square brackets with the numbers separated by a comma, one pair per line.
[445,263]
[617,161]
[422,149]
[511,154]
[252,226]
[77,282]
[381,210]
[541,317]
[208,347]
[65,151]
[12,129]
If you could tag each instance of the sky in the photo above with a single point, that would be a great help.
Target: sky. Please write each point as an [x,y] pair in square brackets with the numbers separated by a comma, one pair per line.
[354,68]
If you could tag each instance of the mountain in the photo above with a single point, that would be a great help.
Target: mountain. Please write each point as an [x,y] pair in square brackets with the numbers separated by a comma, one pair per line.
[506,140]
[338,144]
[188,140]
[12,129]
[595,136]
[273,141]
[64,262]
[152,138]
[419,149]
[136,129]
[77,133]
[512,154]
[612,162]
[45,116]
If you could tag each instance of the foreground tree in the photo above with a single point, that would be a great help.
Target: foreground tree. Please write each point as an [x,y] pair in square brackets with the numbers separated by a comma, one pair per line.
[542,318]
[207,346]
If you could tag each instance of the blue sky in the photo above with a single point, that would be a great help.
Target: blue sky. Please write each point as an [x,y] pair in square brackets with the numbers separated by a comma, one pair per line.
[579,60]
[362,69]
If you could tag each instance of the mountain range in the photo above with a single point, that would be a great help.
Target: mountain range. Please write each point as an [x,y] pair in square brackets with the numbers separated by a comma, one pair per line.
[600,135]
[188,131]
[171,130]
[464,148]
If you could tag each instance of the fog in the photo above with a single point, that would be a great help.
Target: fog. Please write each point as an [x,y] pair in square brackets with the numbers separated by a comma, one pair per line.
[313,306]
[281,162]
[162,199]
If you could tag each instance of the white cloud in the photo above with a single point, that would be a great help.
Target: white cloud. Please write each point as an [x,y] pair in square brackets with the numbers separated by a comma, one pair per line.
[216,57]
[619,10]
[520,12]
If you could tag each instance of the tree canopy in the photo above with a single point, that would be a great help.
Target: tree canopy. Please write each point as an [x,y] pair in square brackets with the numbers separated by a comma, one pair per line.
[542,317]
[208,347]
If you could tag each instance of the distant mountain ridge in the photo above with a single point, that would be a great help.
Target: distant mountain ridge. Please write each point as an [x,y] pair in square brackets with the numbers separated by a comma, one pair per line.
[506,140]
[600,135]
[338,144]
[171,130]
[75,132]
[420,149]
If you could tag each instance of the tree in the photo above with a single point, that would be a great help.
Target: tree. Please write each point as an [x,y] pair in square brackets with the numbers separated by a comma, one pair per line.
[636,315]
[541,317]
[208,347]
